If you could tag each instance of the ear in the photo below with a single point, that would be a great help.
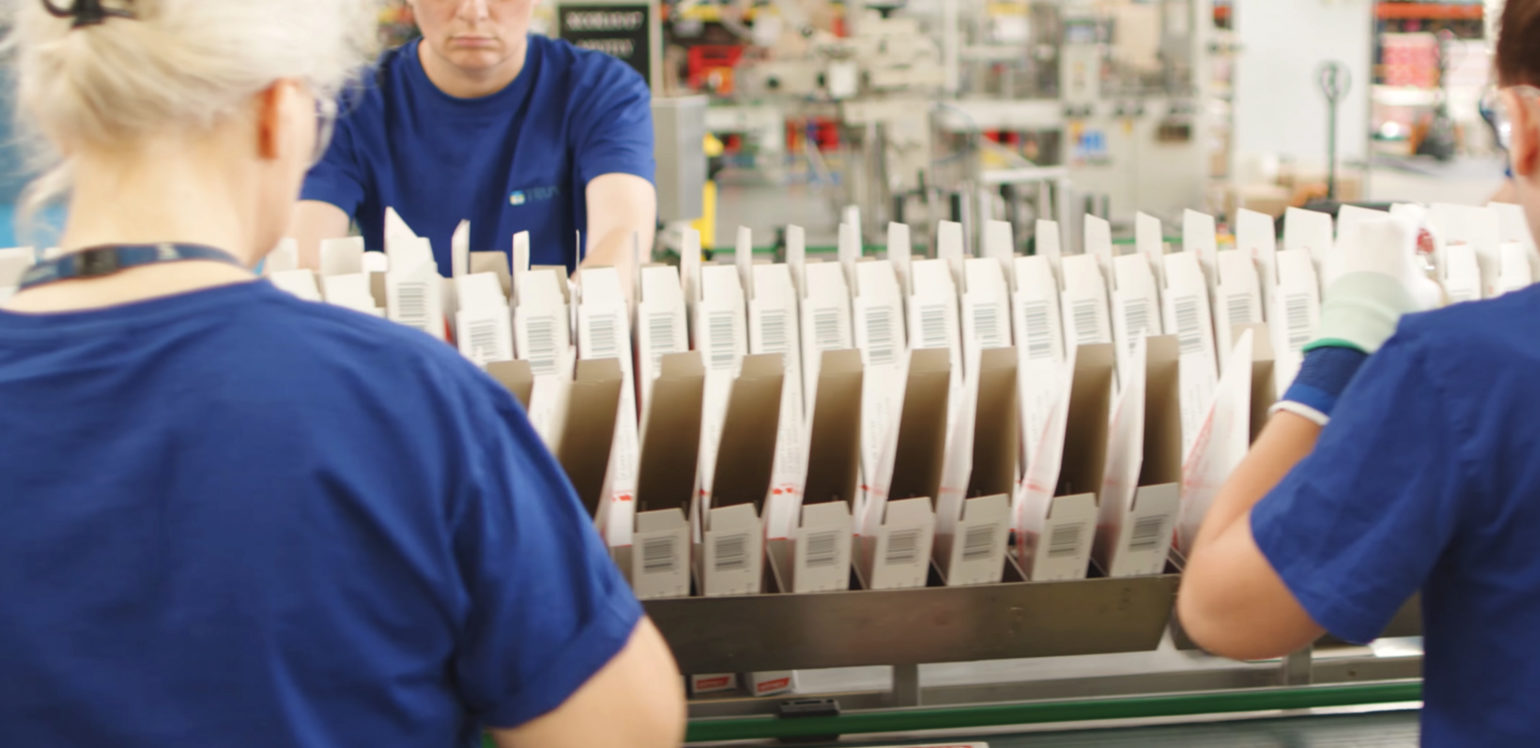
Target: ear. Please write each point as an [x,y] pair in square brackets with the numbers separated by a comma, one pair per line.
[274,106]
[1524,141]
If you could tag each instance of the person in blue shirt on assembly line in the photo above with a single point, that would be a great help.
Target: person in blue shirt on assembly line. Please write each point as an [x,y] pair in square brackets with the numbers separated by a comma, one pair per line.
[1405,457]
[230,517]
[482,120]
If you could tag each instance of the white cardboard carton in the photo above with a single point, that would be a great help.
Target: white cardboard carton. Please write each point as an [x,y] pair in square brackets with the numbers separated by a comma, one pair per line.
[1515,228]
[483,324]
[1141,490]
[1085,303]
[1039,345]
[1135,305]
[1055,512]
[1187,317]
[973,508]
[1200,238]
[1257,237]
[603,324]
[542,314]
[661,328]
[1349,216]
[986,306]
[897,525]
[1150,243]
[824,306]
[1479,228]
[353,291]
[1296,313]
[301,283]
[1514,272]
[1310,232]
[1237,298]
[722,337]
[342,255]
[1098,243]
[1224,438]
[548,403]
[658,560]
[283,258]
[414,290]
[1462,273]
[774,329]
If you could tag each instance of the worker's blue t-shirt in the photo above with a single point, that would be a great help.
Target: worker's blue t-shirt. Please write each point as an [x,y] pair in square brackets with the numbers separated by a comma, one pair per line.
[1428,477]
[234,518]
[517,160]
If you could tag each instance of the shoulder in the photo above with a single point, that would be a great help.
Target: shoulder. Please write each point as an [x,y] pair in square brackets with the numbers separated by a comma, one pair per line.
[1493,330]
[586,68]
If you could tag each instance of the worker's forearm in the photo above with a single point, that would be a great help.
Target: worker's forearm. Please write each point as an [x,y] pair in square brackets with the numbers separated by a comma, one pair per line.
[1286,440]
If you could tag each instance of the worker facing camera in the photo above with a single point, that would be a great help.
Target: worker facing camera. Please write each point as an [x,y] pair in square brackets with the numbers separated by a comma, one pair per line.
[231,517]
[1404,457]
[481,120]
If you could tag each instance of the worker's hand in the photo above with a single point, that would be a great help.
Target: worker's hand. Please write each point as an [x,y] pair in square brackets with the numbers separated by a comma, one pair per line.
[1373,278]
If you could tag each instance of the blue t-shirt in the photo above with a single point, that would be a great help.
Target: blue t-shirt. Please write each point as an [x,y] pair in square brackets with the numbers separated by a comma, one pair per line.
[234,518]
[1428,477]
[517,160]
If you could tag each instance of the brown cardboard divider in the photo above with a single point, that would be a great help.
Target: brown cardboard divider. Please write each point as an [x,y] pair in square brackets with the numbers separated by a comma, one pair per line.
[1013,619]
[517,376]
[589,431]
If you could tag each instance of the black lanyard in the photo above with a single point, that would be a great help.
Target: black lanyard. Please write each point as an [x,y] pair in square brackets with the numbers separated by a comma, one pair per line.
[95,262]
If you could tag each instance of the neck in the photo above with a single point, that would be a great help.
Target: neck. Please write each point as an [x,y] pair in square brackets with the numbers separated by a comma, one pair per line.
[169,195]
[470,84]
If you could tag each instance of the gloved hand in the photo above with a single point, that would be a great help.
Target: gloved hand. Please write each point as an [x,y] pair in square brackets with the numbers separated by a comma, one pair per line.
[1373,278]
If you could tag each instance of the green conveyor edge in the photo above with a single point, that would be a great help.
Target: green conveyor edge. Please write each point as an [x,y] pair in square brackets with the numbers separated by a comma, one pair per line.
[1135,707]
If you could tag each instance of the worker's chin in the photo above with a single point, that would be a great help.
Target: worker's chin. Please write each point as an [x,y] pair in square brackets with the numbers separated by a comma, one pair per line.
[477,58]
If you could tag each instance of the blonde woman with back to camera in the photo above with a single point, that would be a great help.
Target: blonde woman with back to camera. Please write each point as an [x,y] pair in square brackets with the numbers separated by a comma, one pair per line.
[230,517]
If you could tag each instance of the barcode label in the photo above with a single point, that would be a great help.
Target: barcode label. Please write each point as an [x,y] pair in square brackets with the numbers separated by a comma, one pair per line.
[659,555]
[903,547]
[933,326]
[1037,330]
[1083,313]
[1064,542]
[1136,319]
[540,345]
[1296,312]
[662,339]
[732,553]
[978,542]
[826,330]
[483,340]
[772,332]
[719,336]
[986,326]
[602,341]
[412,305]
[1187,331]
[880,343]
[821,549]
[1238,307]
[1146,534]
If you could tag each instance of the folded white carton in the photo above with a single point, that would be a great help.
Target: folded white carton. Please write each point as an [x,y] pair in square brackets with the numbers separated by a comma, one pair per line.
[897,523]
[1150,243]
[1141,488]
[1055,511]
[1462,273]
[1187,317]
[1098,244]
[1514,227]
[542,317]
[1256,235]
[603,332]
[973,507]
[661,328]
[1310,232]
[658,560]
[516,376]
[1296,313]
[353,291]
[301,283]
[729,525]
[283,258]
[932,301]
[483,323]
[1039,343]
[1514,271]
[342,255]
[1480,229]
[815,556]
[1135,305]
[824,305]
[414,290]
[1349,216]
[549,397]
[877,314]
[1200,237]
[774,329]
[1085,302]
[719,330]
[986,296]
[1226,436]
[1237,297]
[586,445]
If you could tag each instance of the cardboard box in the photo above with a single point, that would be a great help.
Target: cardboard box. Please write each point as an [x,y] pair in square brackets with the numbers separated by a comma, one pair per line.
[499,264]
[973,506]
[773,329]
[603,327]
[1085,302]
[1223,440]
[1187,316]
[342,256]
[1150,241]
[661,327]
[414,291]
[1098,243]
[658,560]
[587,441]
[730,556]
[353,291]
[1056,510]
[713,683]
[1256,236]
[1141,488]
[300,283]
[483,322]
[283,258]
[1296,313]
[1136,306]
[816,555]
[824,304]
[1039,345]
[897,525]
[1201,239]
[542,313]
[1311,232]
[1238,297]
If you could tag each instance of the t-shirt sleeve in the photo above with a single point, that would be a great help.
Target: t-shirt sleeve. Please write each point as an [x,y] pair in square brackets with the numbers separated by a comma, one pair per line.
[614,125]
[1355,527]
[339,177]
[548,608]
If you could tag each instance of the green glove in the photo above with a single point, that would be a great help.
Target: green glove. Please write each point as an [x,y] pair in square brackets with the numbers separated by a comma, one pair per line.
[1373,278]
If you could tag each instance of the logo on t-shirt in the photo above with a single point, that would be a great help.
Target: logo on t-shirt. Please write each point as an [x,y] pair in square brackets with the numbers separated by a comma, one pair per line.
[533,195]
